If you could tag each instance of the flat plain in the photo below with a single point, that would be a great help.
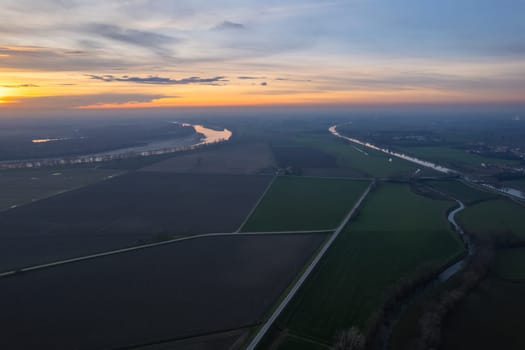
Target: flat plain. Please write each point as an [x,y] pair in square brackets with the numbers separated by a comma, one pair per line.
[305,203]
[494,217]
[395,234]
[364,162]
[454,157]
[490,317]
[125,211]
[460,191]
[180,290]
[302,157]
[249,158]
[510,264]
[26,185]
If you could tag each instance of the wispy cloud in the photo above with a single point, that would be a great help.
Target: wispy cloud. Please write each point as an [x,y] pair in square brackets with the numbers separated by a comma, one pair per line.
[36,58]
[146,39]
[79,101]
[160,80]
[228,25]
[249,78]
[17,86]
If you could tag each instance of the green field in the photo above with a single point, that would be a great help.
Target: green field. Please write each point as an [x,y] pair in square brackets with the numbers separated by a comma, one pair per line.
[373,163]
[26,185]
[491,317]
[453,156]
[517,184]
[510,263]
[494,217]
[458,190]
[304,203]
[396,234]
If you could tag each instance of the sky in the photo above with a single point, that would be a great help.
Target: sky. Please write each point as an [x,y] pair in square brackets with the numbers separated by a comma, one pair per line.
[63,55]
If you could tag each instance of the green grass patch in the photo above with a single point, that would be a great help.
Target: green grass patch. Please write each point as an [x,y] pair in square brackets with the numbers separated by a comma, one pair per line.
[494,217]
[491,317]
[366,162]
[453,156]
[517,184]
[458,190]
[510,263]
[395,234]
[303,203]
[26,185]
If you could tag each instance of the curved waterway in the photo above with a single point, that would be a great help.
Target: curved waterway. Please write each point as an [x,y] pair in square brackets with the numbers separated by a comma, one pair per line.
[458,266]
[203,136]
[439,279]
[510,192]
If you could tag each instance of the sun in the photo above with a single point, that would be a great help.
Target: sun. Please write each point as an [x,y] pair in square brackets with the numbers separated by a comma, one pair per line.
[3,93]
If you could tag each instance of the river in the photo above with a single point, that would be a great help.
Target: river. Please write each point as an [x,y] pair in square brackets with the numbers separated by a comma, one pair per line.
[203,136]
[509,192]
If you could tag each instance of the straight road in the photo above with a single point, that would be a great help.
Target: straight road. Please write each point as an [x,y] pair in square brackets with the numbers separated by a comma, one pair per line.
[150,245]
[266,326]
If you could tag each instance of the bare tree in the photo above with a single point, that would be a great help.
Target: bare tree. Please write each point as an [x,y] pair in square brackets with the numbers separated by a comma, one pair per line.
[350,339]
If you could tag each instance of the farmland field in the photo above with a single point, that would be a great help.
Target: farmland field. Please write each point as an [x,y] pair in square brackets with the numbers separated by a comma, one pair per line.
[230,340]
[304,203]
[395,234]
[491,317]
[365,162]
[123,211]
[24,186]
[494,217]
[518,184]
[510,263]
[454,157]
[249,158]
[302,157]
[174,291]
[458,190]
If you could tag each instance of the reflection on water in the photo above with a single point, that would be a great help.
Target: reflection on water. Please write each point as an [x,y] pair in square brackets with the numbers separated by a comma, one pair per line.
[49,140]
[212,136]
[203,136]
[209,135]
[418,161]
[507,190]
[504,190]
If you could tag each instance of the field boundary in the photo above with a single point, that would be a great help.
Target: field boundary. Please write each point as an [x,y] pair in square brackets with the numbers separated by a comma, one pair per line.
[58,193]
[182,338]
[150,245]
[266,326]
[492,191]
[257,203]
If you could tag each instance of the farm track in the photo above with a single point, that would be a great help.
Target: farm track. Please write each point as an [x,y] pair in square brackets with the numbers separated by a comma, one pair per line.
[257,204]
[269,322]
[149,245]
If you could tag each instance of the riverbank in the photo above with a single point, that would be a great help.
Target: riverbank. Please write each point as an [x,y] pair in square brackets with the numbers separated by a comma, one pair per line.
[203,136]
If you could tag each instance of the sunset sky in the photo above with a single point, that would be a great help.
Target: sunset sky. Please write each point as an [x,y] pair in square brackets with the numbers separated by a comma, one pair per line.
[73,54]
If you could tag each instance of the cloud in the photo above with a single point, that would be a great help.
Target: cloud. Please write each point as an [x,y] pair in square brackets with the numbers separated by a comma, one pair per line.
[160,80]
[249,78]
[227,25]
[20,86]
[264,83]
[296,80]
[78,101]
[36,58]
[146,39]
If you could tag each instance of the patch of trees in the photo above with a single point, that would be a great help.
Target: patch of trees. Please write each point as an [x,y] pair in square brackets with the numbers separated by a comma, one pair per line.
[436,311]
[381,322]
[350,339]
[424,190]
